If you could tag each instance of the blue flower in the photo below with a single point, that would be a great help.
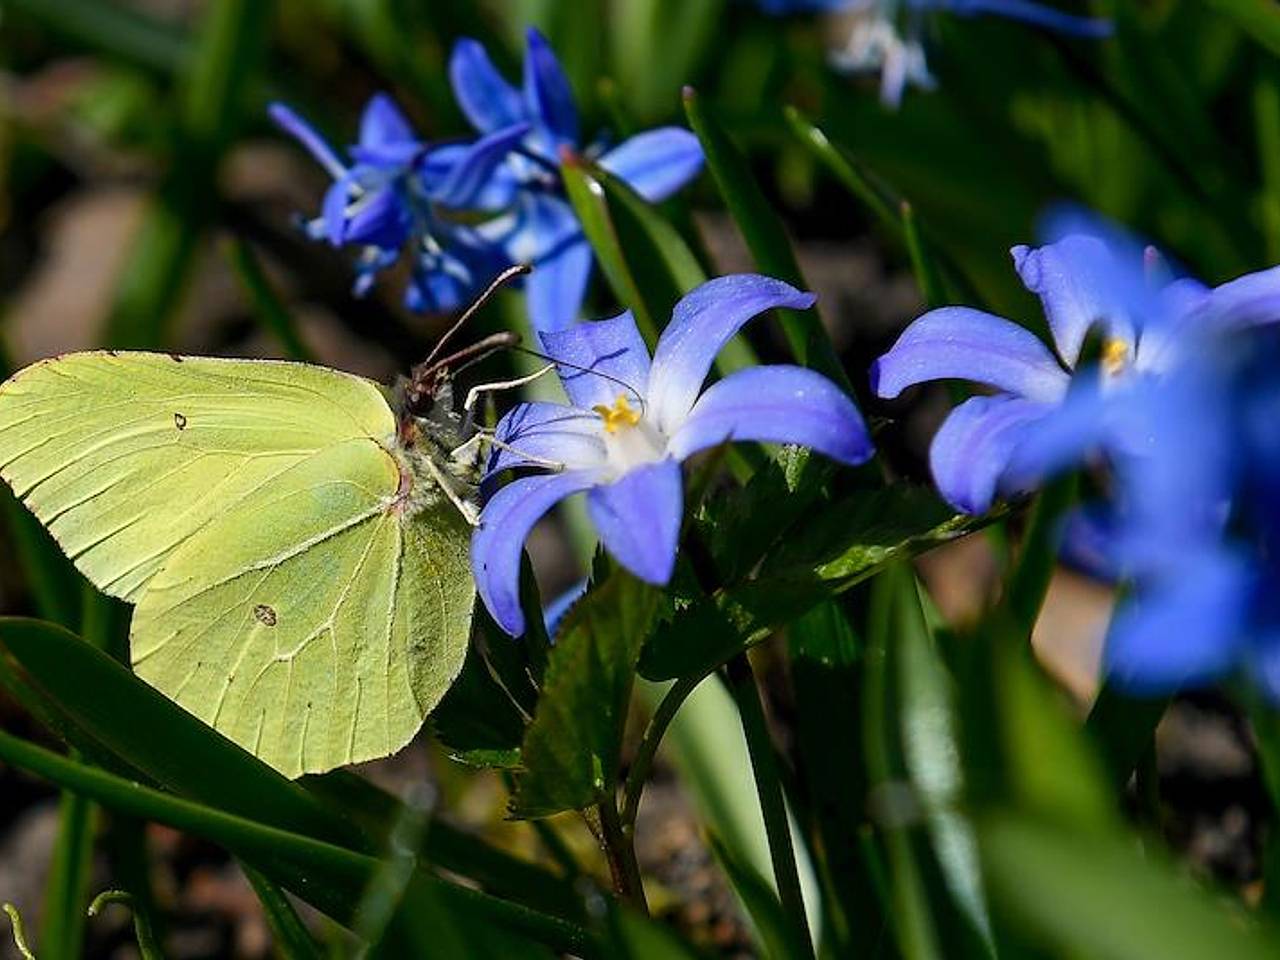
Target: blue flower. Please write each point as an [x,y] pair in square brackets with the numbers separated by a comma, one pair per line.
[394,199]
[541,227]
[631,421]
[888,34]
[1084,281]
[1195,459]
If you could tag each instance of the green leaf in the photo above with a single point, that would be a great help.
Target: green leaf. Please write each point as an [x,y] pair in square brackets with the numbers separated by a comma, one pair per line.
[840,546]
[634,936]
[826,658]
[119,714]
[592,207]
[292,939]
[477,719]
[329,877]
[777,932]
[1098,897]
[1259,20]
[765,235]
[571,749]
[111,28]
[1123,729]
[67,888]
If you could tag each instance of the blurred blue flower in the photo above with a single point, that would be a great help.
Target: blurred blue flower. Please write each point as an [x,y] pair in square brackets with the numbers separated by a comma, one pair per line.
[1195,458]
[631,421]
[395,196]
[887,35]
[1101,281]
[540,227]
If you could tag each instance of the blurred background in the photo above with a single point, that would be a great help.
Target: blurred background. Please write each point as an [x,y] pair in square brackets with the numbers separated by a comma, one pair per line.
[146,201]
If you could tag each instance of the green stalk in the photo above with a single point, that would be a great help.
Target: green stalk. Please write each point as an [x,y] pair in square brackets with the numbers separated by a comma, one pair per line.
[313,865]
[764,763]
[650,740]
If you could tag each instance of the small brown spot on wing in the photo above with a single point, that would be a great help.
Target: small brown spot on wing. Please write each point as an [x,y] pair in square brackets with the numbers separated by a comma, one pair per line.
[265,615]
[180,421]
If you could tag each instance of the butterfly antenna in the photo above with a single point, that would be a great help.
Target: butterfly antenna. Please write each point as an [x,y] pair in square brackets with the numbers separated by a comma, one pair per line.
[581,369]
[498,282]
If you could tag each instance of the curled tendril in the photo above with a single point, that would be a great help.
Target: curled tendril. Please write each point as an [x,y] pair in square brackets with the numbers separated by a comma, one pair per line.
[148,946]
[19,932]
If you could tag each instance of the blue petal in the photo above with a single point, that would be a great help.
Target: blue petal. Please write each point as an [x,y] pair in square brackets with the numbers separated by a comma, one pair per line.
[488,101]
[1186,629]
[1246,301]
[1033,13]
[966,344]
[554,611]
[545,226]
[383,126]
[548,94]
[776,404]
[380,219]
[498,192]
[334,211]
[702,323]
[291,123]
[498,542]
[601,359]
[638,519]
[1080,282]
[776,7]
[558,285]
[657,163]
[532,433]
[972,450]
[467,182]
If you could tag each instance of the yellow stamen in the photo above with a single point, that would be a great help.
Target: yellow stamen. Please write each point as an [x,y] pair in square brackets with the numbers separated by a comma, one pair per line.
[619,415]
[1115,356]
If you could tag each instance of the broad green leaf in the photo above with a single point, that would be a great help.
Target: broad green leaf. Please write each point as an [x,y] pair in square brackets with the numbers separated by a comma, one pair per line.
[634,936]
[1099,897]
[477,720]
[840,546]
[571,749]
[1259,20]
[765,235]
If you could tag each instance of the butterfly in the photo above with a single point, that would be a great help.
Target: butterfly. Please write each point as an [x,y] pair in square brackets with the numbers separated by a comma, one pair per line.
[294,539]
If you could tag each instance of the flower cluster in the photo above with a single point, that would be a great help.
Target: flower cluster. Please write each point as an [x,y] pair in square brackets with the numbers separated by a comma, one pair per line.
[630,422]
[888,35]
[460,212]
[1179,406]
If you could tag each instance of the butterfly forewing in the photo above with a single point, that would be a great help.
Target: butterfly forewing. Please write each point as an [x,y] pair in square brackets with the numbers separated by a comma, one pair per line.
[257,515]
[124,456]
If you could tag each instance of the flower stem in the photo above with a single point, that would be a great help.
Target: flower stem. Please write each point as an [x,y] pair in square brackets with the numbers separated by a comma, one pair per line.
[621,852]
[647,749]
[764,764]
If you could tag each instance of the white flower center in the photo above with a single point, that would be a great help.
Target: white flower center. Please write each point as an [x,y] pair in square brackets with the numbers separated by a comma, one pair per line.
[630,440]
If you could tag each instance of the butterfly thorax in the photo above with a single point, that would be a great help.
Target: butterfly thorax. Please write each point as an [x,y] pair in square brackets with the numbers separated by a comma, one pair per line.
[431,448]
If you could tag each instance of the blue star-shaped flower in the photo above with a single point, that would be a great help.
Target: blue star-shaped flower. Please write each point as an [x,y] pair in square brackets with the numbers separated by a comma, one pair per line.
[632,420]
[1085,280]
[395,196]
[541,227]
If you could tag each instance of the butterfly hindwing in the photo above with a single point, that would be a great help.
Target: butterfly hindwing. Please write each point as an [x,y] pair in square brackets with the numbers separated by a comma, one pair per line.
[288,592]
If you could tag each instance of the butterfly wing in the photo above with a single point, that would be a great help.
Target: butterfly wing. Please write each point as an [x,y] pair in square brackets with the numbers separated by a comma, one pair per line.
[124,456]
[254,513]
[317,626]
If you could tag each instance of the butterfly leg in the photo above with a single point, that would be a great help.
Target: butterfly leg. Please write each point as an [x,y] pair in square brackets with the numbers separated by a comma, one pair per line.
[485,435]
[473,395]
[470,512]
